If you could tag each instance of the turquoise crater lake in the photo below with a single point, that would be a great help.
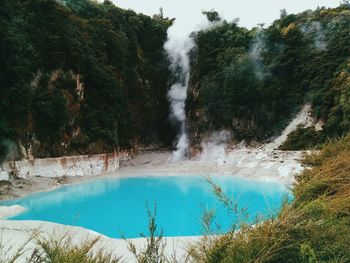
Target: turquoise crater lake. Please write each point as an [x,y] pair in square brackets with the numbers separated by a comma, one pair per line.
[116,207]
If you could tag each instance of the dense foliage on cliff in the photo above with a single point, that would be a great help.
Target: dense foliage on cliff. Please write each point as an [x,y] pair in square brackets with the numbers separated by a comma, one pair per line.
[81,77]
[252,81]
[315,227]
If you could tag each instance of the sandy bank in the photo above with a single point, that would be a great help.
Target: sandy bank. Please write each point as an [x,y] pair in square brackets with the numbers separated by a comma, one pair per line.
[257,164]
[16,233]
[8,211]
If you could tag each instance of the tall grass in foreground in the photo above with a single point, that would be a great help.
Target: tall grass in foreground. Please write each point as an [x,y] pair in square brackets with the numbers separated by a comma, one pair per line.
[8,254]
[154,249]
[315,227]
[64,251]
[56,250]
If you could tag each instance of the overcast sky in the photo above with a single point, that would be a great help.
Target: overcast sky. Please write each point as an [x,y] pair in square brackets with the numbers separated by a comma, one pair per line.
[188,12]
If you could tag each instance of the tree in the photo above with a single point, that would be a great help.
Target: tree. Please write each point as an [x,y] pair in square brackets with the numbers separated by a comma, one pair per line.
[283,13]
[212,15]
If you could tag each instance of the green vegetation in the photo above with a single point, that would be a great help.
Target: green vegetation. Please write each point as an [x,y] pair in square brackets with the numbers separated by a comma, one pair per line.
[10,255]
[153,251]
[57,250]
[303,139]
[315,227]
[81,77]
[64,251]
[253,81]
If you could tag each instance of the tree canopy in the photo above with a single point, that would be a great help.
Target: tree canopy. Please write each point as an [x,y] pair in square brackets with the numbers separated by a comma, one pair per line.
[82,77]
[253,81]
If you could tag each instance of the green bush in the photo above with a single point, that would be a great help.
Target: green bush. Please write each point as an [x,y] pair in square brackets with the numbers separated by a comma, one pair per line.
[303,139]
[313,228]
[64,251]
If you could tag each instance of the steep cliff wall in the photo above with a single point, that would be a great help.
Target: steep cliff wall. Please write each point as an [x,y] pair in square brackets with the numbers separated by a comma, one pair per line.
[81,77]
[82,165]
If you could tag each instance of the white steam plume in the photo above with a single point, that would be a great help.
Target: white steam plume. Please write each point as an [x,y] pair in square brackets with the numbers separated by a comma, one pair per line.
[315,31]
[214,147]
[178,49]
[255,54]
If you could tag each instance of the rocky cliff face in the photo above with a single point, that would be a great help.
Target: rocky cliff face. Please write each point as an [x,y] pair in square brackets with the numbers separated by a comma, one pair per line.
[81,78]
[246,127]
[81,165]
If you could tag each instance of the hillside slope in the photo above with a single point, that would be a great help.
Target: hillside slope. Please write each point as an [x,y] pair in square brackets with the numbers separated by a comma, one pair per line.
[81,77]
[252,81]
[78,77]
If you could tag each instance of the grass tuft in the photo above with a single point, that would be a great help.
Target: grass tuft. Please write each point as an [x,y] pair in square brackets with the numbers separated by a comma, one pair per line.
[315,227]
[63,250]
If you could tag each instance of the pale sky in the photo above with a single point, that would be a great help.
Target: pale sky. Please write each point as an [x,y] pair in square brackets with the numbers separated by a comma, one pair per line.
[188,12]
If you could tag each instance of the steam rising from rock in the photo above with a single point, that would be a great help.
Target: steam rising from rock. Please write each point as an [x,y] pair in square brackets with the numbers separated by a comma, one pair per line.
[255,54]
[214,147]
[315,30]
[178,49]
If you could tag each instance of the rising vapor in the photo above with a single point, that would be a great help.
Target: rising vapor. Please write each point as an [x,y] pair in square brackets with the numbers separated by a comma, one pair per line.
[255,54]
[178,49]
[315,31]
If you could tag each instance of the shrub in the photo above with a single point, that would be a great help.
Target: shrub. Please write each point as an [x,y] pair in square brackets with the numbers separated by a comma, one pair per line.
[303,139]
[313,228]
[64,251]
[153,252]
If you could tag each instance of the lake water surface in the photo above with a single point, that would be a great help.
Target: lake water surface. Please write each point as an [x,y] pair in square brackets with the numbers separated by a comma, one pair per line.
[116,207]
